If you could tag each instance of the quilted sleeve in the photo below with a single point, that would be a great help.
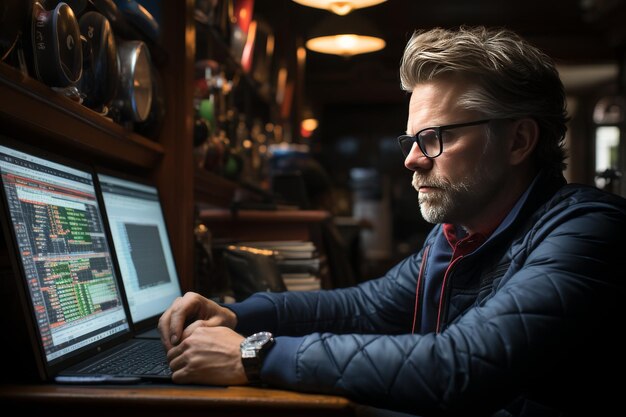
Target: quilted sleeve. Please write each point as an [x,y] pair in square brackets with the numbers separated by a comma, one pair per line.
[534,329]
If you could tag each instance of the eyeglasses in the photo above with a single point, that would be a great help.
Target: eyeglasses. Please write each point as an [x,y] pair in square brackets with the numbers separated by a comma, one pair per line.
[429,139]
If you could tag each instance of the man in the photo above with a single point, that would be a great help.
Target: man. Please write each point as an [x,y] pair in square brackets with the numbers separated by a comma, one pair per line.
[510,307]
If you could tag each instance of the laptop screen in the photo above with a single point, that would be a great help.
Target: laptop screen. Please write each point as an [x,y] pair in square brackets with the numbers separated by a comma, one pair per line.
[142,246]
[63,251]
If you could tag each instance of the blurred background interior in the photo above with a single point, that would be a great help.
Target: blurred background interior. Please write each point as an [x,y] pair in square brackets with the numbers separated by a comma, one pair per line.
[361,109]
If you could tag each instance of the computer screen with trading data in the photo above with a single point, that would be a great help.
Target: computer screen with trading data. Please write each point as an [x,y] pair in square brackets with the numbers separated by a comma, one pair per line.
[63,252]
[141,244]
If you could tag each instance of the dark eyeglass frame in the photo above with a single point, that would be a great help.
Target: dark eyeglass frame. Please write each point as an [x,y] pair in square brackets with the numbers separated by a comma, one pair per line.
[403,139]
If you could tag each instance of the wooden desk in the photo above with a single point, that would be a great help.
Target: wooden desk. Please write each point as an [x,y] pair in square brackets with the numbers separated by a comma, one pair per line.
[167,400]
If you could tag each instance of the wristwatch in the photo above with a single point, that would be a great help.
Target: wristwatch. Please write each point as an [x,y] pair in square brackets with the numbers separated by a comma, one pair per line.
[253,351]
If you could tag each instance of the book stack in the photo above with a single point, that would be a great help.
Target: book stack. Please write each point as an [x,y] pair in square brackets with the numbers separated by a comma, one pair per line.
[298,262]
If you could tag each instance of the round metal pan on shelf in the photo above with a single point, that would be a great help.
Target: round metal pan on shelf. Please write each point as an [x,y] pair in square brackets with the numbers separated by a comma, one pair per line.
[134,93]
[100,67]
[56,45]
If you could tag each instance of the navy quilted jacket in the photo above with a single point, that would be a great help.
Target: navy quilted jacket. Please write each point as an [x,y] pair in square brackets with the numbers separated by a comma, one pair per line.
[526,325]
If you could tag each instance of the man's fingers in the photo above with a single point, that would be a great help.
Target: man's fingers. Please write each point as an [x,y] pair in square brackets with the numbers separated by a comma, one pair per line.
[183,310]
[193,326]
[172,322]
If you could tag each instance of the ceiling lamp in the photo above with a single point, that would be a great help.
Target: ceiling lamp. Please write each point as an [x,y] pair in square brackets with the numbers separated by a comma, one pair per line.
[339,7]
[345,36]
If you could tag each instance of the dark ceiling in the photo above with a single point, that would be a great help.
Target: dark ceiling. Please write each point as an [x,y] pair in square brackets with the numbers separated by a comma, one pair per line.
[576,32]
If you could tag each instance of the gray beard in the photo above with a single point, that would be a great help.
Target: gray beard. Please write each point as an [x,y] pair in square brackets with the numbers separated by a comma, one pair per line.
[455,203]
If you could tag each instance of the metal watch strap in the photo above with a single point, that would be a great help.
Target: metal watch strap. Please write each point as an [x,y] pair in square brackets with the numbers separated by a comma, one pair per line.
[253,351]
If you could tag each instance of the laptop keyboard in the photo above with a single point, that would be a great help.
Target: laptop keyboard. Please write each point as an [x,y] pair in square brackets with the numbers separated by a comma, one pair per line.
[144,357]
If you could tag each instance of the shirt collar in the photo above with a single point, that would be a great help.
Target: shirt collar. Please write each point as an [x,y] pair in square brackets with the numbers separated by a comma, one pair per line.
[467,244]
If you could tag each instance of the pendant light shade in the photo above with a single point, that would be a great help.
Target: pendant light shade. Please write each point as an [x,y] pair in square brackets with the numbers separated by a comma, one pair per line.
[345,36]
[339,7]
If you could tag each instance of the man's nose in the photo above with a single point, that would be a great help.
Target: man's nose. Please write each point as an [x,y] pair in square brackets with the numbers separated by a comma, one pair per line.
[417,160]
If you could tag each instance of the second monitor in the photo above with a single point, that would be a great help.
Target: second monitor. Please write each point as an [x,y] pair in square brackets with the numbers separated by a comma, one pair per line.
[135,217]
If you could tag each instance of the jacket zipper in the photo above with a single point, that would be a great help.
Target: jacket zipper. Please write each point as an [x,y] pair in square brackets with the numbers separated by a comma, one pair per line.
[442,310]
[417,313]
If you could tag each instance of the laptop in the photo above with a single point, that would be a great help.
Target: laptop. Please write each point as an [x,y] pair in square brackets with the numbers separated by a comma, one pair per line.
[65,272]
[141,245]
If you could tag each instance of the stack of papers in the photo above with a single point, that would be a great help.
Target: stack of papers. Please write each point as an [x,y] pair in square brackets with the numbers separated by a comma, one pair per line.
[298,262]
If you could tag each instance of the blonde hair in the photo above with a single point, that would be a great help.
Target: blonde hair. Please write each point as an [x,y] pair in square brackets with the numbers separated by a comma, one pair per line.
[512,79]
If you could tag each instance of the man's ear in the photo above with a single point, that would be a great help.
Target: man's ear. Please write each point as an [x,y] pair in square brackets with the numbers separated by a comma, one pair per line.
[525,135]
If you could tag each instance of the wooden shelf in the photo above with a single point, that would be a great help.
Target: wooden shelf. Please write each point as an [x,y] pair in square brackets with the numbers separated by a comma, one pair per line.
[30,107]
[265,224]
[266,216]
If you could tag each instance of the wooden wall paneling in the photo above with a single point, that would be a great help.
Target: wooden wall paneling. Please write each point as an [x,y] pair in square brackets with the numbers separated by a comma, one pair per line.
[175,174]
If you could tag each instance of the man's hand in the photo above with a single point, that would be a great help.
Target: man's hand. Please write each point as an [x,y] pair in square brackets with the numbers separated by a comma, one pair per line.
[208,355]
[190,312]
